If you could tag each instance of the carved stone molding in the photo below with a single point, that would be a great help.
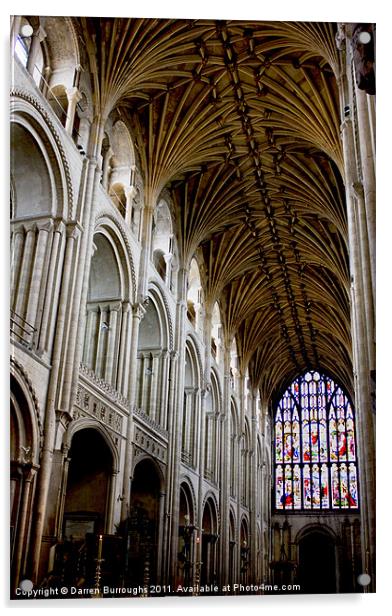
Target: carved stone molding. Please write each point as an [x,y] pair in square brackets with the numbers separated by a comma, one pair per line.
[89,405]
[105,387]
[147,443]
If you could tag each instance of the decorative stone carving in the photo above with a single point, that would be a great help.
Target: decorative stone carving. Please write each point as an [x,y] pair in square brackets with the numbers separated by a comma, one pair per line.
[150,422]
[106,388]
[89,405]
[147,443]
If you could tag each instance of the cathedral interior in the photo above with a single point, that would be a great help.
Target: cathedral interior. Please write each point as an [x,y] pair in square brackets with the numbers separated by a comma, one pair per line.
[192,304]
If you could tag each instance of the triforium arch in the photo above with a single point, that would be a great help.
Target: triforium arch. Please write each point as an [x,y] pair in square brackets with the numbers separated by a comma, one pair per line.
[192,403]
[153,358]
[108,307]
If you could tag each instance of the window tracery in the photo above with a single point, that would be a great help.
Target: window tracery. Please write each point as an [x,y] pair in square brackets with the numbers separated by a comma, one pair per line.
[315,452]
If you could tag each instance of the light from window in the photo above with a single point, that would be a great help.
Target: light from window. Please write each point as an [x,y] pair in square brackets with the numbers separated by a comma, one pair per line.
[315,455]
[21,51]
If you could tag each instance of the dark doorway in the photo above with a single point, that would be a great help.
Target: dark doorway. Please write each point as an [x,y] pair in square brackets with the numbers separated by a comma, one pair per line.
[143,525]
[86,503]
[317,564]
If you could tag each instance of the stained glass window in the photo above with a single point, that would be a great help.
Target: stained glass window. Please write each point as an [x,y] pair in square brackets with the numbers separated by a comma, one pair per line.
[315,453]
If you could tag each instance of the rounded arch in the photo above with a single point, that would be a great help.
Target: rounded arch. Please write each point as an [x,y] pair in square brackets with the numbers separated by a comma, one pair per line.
[234,415]
[216,392]
[36,124]
[114,226]
[146,460]
[187,502]
[158,295]
[210,502]
[85,423]
[26,426]
[312,527]
[116,236]
[193,347]
[244,529]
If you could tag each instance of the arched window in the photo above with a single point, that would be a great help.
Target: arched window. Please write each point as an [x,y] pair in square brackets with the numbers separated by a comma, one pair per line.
[315,453]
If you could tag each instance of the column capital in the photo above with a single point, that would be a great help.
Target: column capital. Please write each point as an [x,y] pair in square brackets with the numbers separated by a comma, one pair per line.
[58,225]
[45,225]
[30,226]
[139,309]
[73,230]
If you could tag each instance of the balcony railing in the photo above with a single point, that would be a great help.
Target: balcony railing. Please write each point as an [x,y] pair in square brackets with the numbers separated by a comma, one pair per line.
[22,331]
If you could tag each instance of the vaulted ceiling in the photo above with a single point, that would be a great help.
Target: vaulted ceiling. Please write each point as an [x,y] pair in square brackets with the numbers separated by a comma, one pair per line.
[239,120]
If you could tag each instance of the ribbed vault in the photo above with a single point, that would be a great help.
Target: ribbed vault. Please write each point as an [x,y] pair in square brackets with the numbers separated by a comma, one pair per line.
[239,120]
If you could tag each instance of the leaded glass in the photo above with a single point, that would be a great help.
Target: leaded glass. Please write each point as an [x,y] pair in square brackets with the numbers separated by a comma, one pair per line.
[315,452]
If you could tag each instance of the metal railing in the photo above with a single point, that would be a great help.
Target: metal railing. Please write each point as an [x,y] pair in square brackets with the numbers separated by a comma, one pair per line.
[22,331]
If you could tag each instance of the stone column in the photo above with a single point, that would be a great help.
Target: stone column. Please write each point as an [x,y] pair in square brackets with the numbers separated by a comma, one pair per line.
[170,415]
[73,96]
[29,472]
[162,417]
[175,437]
[36,40]
[106,168]
[368,177]
[148,212]
[25,270]
[110,373]
[252,462]
[138,311]
[36,279]
[225,472]
[156,357]
[161,536]
[111,501]
[125,342]
[16,258]
[364,257]
[102,341]
[89,337]
[50,416]
[365,427]
[50,301]
[62,492]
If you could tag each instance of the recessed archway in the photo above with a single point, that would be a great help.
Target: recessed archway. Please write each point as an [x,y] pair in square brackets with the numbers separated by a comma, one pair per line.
[144,529]
[317,562]
[86,507]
